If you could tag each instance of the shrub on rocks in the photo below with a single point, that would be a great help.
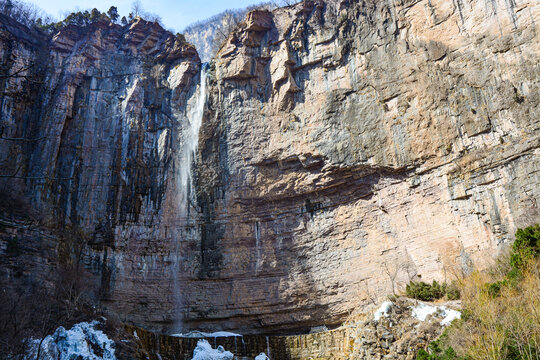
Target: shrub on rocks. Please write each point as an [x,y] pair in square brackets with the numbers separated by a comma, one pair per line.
[429,292]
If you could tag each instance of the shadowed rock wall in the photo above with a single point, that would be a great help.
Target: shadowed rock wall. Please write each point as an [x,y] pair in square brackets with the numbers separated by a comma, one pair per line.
[92,121]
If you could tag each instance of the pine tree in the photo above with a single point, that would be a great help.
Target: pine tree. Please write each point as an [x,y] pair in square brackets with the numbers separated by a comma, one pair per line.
[94,15]
[113,13]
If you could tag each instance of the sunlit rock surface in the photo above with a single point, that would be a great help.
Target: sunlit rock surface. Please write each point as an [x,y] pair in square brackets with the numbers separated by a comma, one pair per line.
[342,143]
[366,140]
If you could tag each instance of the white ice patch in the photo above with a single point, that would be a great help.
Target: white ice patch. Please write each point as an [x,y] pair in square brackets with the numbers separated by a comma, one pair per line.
[262,356]
[200,334]
[422,311]
[449,316]
[383,310]
[204,351]
[81,342]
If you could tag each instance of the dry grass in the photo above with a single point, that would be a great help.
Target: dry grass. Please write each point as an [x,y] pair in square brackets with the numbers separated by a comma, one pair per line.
[506,326]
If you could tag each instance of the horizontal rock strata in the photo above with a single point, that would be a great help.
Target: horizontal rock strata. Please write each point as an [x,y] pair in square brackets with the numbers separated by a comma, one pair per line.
[346,148]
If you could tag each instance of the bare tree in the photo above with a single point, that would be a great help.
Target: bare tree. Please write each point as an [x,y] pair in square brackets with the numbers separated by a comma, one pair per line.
[151,17]
[392,271]
[25,13]
[410,269]
[136,8]
[228,24]
[285,3]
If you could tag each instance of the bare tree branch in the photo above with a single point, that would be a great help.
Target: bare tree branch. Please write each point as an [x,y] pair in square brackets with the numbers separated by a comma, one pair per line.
[16,73]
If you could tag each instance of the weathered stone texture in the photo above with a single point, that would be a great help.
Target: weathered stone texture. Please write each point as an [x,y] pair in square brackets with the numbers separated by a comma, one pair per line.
[364,138]
[398,335]
[89,139]
[342,141]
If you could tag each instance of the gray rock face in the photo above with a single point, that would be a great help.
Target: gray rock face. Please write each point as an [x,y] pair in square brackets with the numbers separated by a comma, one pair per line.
[91,125]
[206,35]
[342,144]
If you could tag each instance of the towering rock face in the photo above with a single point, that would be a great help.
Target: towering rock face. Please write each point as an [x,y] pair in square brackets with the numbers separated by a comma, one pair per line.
[364,144]
[92,124]
[346,148]
[206,35]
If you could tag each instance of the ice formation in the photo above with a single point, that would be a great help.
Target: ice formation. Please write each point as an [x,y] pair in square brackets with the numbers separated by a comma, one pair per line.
[449,316]
[422,311]
[383,310]
[200,334]
[204,351]
[82,342]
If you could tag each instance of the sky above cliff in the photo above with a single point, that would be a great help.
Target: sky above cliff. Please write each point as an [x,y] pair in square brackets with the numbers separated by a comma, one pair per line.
[176,14]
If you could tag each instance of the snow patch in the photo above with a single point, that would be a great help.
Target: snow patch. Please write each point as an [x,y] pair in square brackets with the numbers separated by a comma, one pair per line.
[262,356]
[383,310]
[204,351]
[449,316]
[200,334]
[81,342]
[423,310]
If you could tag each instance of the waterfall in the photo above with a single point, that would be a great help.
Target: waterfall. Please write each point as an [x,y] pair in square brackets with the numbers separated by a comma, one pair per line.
[186,196]
[190,144]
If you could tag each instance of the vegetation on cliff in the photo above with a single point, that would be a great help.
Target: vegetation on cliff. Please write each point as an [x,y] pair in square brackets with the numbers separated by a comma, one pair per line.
[33,17]
[428,292]
[501,309]
[207,35]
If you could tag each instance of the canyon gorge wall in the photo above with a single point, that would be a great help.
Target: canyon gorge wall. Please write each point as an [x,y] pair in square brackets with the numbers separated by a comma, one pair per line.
[343,144]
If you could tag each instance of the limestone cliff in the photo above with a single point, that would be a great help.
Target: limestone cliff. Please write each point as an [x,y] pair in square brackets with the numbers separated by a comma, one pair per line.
[364,140]
[206,35]
[91,123]
[343,143]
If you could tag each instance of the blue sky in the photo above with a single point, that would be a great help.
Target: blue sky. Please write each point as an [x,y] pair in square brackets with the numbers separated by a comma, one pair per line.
[176,15]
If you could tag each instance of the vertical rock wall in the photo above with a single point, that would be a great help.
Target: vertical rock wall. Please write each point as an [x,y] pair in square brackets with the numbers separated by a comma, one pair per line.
[362,141]
[343,143]
[92,121]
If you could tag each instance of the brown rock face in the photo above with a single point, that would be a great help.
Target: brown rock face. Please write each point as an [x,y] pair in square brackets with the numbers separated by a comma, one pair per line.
[365,140]
[343,144]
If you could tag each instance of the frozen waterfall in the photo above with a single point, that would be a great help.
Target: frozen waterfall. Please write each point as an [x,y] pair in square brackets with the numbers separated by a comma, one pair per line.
[190,143]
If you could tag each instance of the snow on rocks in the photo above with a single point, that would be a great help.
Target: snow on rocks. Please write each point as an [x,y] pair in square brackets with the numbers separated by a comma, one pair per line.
[383,310]
[262,356]
[397,329]
[421,312]
[449,316]
[204,351]
[82,342]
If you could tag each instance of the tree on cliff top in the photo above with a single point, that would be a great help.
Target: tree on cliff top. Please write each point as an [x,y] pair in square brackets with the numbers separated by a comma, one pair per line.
[136,8]
[25,13]
[113,14]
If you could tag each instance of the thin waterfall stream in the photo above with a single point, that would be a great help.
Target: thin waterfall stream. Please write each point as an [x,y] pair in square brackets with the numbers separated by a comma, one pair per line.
[190,145]
[186,195]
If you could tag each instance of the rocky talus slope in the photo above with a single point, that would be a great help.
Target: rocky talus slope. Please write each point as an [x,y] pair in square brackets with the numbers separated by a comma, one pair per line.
[343,144]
